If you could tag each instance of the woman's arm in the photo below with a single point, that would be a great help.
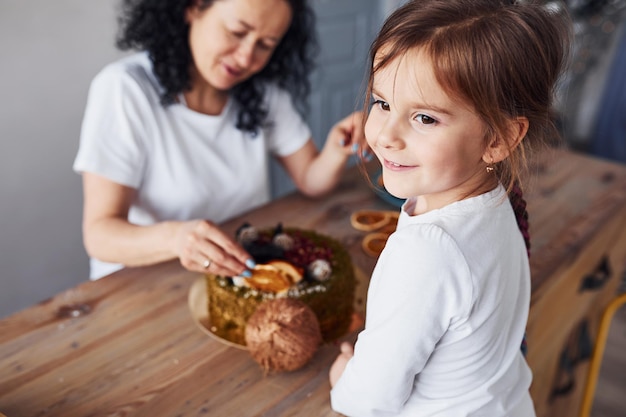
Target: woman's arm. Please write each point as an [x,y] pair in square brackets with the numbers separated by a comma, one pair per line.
[315,173]
[109,237]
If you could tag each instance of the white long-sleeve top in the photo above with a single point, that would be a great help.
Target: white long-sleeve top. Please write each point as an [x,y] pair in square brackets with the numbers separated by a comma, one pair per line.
[446,312]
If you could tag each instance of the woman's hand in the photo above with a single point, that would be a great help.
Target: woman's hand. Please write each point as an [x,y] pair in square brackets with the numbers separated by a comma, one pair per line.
[347,137]
[203,247]
[315,173]
[337,368]
[199,244]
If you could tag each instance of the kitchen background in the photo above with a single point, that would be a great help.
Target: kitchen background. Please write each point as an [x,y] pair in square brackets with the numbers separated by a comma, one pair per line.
[50,51]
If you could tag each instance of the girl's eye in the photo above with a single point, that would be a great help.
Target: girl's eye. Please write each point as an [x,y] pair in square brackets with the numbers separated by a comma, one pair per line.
[425,120]
[383,105]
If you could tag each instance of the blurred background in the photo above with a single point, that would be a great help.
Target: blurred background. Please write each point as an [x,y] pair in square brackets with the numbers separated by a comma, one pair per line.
[50,51]
[592,96]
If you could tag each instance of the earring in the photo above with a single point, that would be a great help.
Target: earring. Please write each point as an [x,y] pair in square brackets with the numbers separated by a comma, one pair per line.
[490,167]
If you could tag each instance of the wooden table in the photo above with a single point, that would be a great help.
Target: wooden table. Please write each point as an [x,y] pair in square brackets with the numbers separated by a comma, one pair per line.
[127,345]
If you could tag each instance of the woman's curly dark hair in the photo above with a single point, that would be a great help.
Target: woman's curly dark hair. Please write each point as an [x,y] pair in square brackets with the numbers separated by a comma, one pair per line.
[159,27]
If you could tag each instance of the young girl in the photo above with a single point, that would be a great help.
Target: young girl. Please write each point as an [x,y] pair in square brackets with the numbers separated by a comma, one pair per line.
[461,92]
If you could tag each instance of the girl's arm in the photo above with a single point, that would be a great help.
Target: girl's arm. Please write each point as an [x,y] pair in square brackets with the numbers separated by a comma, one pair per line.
[109,237]
[414,293]
[337,368]
[315,173]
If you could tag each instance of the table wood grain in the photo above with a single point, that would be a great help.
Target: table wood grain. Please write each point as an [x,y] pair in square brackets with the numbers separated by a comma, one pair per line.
[126,345]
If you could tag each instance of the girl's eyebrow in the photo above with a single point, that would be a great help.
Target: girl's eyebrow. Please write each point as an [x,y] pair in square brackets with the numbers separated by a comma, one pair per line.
[437,109]
[417,104]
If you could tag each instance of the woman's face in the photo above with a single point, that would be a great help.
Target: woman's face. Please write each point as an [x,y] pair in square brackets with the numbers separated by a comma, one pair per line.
[429,144]
[232,40]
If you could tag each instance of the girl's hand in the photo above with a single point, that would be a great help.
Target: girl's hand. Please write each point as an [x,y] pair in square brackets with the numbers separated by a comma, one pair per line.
[201,246]
[337,368]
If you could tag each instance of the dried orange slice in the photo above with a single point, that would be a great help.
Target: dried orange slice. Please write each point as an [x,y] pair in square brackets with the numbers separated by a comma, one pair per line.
[368,220]
[275,276]
[388,228]
[374,243]
[291,271]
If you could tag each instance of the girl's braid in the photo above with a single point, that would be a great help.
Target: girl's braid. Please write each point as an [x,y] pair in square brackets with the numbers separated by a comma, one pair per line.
[521,215]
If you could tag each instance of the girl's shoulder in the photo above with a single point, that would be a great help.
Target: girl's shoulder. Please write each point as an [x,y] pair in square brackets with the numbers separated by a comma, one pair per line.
[430,240]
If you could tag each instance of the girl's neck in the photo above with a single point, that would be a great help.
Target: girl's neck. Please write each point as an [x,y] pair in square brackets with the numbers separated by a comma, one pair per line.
[424,203]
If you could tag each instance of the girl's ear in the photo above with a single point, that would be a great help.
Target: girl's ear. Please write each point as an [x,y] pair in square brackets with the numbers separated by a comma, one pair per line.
[499,149]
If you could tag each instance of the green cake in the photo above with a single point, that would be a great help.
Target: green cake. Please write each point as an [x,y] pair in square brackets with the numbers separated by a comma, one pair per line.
[294,263]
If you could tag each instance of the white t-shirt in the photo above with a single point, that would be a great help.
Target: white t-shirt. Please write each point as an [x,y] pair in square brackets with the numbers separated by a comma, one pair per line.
[185,165]
[446,312]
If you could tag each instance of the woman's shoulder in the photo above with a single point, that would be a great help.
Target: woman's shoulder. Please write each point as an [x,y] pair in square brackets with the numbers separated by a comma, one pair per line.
[132,74]
[275,95]
[280,104]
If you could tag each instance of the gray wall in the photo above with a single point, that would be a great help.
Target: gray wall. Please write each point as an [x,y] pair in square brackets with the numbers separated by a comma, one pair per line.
[49,51]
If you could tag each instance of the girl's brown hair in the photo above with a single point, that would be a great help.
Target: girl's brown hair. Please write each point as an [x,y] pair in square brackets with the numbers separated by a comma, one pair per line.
[503,58]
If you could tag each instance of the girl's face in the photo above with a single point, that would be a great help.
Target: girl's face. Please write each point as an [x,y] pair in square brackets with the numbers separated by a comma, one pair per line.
[232,40]
[429,145]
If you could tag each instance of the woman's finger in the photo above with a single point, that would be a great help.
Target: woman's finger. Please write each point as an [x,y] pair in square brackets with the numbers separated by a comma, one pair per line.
[227,244]
[224,256]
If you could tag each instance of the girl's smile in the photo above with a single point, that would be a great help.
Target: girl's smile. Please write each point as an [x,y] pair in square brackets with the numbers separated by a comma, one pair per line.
[395,166]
